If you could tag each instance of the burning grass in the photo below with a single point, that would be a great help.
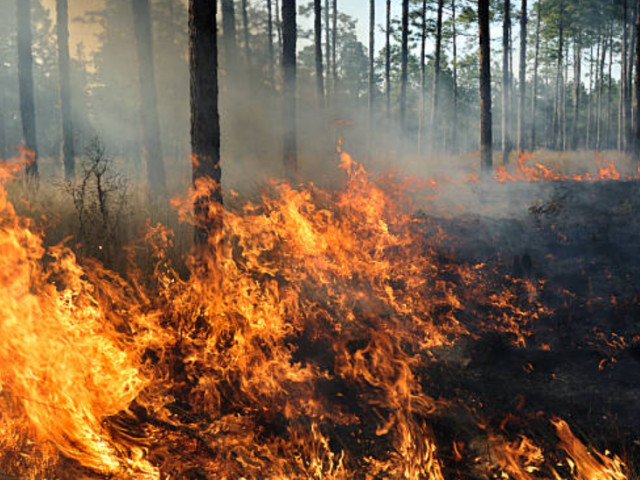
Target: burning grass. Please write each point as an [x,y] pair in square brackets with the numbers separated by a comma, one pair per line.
[307,348]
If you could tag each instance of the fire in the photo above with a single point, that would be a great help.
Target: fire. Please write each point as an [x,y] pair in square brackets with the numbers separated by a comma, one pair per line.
[297,352]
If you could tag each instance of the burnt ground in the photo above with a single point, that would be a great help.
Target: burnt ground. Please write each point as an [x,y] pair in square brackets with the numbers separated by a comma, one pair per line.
[583,241]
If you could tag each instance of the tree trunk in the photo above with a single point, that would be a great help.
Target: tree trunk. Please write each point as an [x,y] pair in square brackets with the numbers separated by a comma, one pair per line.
[559,81]
[272,59]
[68,156]
[387,60]
[523,76]
[622,122]
[327,40]
[609,90]
[317,29]
[334,42]
[423,75]
[404,63]
[631,75]
[454,40]
[289,39]
[25,80]
[229,35]
[636,93]
[506,28]
[534,96]
[603,57]
[486,140]
[372,53]
[247,35]
[436,73]
[205,121]
[590,105]
[151,138]
[279,29]
[577,74]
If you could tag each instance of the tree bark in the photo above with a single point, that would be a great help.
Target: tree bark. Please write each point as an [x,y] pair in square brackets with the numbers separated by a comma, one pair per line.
[436,72]
[64,62]
[205,121]
[486,140]
[404,63]
[536,63]
[603,57]
[577,74]
[559,81]
[622,122]
[523,76]
[334,42]
[327,40]
[289,40]
[609,90]
[506,29]
[25,81]
[372,52]
[151,138]
[229,35]
[590,105]
[272,59]
[454,40]
[636,99]
[247,34]
[423,75]
[387,60]
[317,29]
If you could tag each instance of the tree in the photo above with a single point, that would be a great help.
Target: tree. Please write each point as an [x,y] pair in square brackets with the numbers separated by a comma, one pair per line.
[272,58]
[25,81]
[289,40]
[334,41]
[536,62]
[317,24]
[486,153]
[506,80]
[327,40]
[423,74]
[404,63]
[523,76]
[152,144]
[205,121]
[387,60]
[229,35]
[247,34]
[636,100]
[62,15]
[436,71]
[372,72]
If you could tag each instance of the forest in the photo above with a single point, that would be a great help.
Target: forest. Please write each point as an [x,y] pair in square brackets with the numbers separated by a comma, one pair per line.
[319,239]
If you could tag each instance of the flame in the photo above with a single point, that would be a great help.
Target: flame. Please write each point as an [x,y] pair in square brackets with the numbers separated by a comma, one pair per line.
[294,348]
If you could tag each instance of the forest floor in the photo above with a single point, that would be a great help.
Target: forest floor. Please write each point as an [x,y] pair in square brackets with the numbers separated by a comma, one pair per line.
[582,363]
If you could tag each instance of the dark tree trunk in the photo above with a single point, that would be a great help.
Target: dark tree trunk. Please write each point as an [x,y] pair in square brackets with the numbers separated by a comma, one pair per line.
[229,35]
[334,42]
[156,177]
[636,93]
[317,30]
[68,156]
[423,75]
[272,59]
[603,57]
[289,39]
[523,77]
[247,34]
[534,96]
[372,53]
[205,121]
[577,74]
[622,133]
[559,81]
[590,104]
[506,101]
[279,29]
[25,79]
[436,72]
[404,62]
[327,40]
[486,138]
[609,90]
[454,39]
[387,60]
